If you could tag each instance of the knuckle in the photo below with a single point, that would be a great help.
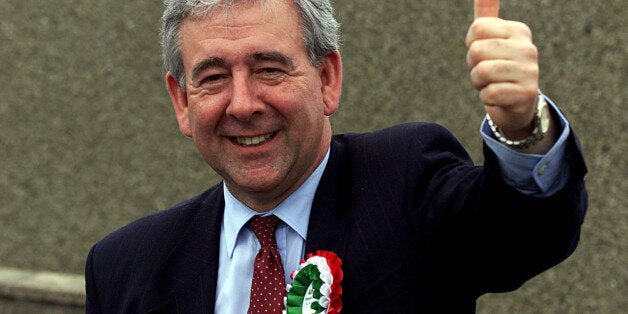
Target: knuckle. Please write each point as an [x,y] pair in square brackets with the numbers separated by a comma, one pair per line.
[527,31]
[481,71]
[475,51]
[530,51]
[490,94]
[533,71]
[523,29]
[479,28]
[476,78]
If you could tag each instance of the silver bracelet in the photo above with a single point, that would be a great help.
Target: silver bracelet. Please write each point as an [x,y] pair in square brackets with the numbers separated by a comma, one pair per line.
[540,127]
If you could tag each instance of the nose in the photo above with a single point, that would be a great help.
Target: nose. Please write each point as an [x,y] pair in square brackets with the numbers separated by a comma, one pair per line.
[244,103]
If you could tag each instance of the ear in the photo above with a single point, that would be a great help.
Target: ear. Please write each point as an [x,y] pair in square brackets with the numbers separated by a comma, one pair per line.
[179,99]
[331,78]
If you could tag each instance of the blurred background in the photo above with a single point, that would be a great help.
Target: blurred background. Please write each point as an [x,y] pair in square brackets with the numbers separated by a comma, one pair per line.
[89,142]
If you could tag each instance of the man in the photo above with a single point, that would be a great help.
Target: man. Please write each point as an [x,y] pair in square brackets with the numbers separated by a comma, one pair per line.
[417,227]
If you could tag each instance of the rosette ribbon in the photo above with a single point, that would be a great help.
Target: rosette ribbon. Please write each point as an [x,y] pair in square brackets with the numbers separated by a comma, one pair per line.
[315,285]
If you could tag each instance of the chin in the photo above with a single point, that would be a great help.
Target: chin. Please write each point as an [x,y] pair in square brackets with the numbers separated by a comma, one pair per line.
[256,184]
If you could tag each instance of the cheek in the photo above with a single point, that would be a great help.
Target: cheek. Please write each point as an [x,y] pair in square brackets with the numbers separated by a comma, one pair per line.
[297,99]
[204,116]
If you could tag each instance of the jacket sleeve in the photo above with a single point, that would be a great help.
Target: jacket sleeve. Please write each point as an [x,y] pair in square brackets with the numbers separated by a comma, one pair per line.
[490,237]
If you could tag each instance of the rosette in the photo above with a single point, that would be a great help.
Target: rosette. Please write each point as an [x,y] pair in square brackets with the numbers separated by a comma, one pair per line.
[315,285]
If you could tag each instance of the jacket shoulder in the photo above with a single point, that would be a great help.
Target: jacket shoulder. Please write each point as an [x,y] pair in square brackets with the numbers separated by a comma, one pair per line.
[421,136]
[119,267]
[159,224]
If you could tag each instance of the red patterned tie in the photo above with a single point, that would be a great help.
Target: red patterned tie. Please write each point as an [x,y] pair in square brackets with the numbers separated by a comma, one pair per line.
[268,287]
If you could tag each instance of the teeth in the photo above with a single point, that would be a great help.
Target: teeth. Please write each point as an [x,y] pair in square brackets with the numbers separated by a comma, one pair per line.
[255,140]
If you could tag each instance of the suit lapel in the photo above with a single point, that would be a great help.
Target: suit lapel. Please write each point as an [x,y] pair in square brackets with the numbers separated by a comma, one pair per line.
[187,277]
[328,225]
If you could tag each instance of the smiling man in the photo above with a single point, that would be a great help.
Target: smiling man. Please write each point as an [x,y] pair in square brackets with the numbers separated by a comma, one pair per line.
[402,218]
[254,104]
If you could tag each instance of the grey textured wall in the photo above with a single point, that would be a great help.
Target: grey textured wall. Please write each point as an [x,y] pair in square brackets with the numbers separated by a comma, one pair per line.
[88,139]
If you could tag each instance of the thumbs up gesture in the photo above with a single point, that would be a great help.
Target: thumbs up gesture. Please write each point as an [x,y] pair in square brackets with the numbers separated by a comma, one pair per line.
[504,67]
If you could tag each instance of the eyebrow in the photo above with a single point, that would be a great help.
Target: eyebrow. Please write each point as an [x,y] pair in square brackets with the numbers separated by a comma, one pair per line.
[273,56]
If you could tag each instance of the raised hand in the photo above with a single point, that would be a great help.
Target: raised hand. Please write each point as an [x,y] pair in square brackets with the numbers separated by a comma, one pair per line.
[504,67]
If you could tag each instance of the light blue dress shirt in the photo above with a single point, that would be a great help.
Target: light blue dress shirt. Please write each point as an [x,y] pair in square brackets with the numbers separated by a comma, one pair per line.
[537,175]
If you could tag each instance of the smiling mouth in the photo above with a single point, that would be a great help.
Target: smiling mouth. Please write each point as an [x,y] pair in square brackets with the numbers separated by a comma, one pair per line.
[253,140]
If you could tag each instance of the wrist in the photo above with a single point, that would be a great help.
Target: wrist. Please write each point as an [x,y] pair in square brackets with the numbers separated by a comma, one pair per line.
[540,127]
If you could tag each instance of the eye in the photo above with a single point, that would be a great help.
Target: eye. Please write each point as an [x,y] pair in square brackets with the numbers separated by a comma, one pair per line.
[270,70]
[212,79]
[270,74]
[213,83]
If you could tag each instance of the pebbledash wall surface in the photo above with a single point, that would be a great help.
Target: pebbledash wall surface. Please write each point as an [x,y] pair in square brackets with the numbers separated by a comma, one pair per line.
[88,140]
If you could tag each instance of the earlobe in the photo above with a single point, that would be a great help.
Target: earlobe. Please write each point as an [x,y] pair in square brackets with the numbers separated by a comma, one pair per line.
[179,99]
[331,78]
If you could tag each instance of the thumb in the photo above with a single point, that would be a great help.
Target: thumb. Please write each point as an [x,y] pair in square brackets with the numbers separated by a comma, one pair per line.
[485,8]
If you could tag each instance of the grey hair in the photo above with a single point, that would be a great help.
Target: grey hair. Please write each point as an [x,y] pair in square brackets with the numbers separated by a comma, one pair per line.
[319,29]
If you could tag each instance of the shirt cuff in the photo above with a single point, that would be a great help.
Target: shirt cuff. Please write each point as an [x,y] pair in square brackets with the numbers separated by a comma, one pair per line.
[533,174]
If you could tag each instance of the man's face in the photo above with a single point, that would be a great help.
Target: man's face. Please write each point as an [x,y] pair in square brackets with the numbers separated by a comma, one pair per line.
[254,105]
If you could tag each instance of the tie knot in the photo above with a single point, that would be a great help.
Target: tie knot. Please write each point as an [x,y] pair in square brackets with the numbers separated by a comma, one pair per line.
[264,229]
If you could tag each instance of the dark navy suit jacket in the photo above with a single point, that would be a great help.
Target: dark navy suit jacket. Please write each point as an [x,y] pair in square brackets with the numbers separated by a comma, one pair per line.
[418,227]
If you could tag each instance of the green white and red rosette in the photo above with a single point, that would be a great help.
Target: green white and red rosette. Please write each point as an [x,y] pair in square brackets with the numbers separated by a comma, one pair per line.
[315,285]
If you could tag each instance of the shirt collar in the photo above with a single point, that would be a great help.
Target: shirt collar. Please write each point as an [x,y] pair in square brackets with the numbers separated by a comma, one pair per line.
[294,211]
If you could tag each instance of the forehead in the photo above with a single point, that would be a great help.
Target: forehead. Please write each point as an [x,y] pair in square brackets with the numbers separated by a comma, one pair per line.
[274,20]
